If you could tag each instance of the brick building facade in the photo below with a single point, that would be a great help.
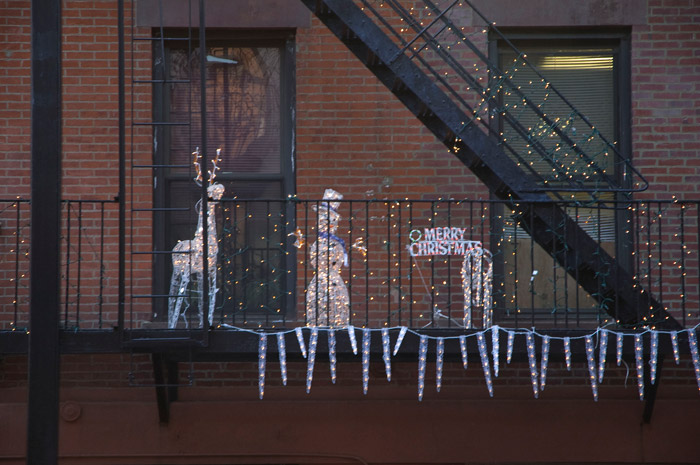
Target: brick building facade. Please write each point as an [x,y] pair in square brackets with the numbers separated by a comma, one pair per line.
[350,133]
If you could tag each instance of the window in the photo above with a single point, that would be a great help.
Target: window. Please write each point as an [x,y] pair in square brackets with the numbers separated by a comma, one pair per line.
[249,96]
[591,71]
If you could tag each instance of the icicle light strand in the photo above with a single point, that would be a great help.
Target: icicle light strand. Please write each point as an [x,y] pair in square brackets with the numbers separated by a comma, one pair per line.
[693,343]
[313,344]
[300,339]
[262,361]
[590,356]
[485,362]
[567,352]
[332,354]
[618,348]
[532,362]
[439,358]
[509,346]
[422,360]
[366,335]
[653,356]
[282,349]
[399,340]
[544,362]
[639,359]
[353,339]
[603,354]
[463,350]
[386,353]
[495,349]
[674,344]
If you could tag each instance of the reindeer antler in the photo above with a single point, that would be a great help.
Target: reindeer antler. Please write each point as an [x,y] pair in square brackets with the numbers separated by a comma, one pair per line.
[197,156]
[215,166]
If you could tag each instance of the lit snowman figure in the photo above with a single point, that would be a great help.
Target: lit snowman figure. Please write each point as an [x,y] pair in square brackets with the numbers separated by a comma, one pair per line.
[327,300]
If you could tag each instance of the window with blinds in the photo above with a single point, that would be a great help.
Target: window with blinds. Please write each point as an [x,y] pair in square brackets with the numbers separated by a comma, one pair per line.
[249,93]
[587,73]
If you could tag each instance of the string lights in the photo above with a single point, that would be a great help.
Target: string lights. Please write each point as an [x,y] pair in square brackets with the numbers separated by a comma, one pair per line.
[603,354]
[495,349]
[532,362]
[463,351]
[262,360]
[693,343]
[332,354]
[544,362]
[485,362]
[639,361]
[366,335]
[653,355]
[282,350]
[313,344]
[509,346]
[567,352]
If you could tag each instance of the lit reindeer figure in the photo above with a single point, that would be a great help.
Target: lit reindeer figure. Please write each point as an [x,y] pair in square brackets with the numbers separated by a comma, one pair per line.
[188,256]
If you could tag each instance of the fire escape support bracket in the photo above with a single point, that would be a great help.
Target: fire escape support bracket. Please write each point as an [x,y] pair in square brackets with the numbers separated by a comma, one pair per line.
[165,376]
[599,274]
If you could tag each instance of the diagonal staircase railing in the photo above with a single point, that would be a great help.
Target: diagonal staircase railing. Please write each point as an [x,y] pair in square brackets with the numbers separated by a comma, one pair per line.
[478,114]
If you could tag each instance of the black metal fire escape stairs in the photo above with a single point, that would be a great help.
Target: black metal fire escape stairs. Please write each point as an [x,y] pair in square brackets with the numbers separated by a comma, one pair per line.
[407,50]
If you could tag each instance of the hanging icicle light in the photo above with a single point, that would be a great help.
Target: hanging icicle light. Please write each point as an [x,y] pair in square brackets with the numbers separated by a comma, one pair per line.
[262,361]
[509,346]
[300,339]
[532,362]
[693,343]
[618,348]
[485,362]
[544,362]
[422,360]
[386,353]
[653,355]
[313,344]
[463,350]
[399,340]
[332,353]
[590,356]
[366,334]
[440,356]
[567,352]
[495,349]
[353,340]
[674,344]
[281,348]
[639,359]
[603,354]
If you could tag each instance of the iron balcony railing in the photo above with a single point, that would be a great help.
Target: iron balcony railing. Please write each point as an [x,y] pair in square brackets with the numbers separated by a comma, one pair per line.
[389,262]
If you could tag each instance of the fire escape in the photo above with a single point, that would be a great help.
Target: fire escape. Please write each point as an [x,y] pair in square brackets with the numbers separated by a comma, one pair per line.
[439,70]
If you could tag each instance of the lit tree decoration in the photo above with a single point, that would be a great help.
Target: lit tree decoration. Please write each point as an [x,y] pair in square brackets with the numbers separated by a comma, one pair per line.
[262,361]
[653,356]
[477,284]
[422,360]
[300,340]
[509,346]
[386,353]
[495,349]
[693,343]
[463,350]
[313,344]
[485,362]
[618,348]
[603,354]
[399,340]
[282,349]
[638,356]
[353,339]
[544,362]
[590,356]
[674,344]
[532,362]
[567,352]
[439,358]
[327,300]
[332,353]
[188,256]
[366,334]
